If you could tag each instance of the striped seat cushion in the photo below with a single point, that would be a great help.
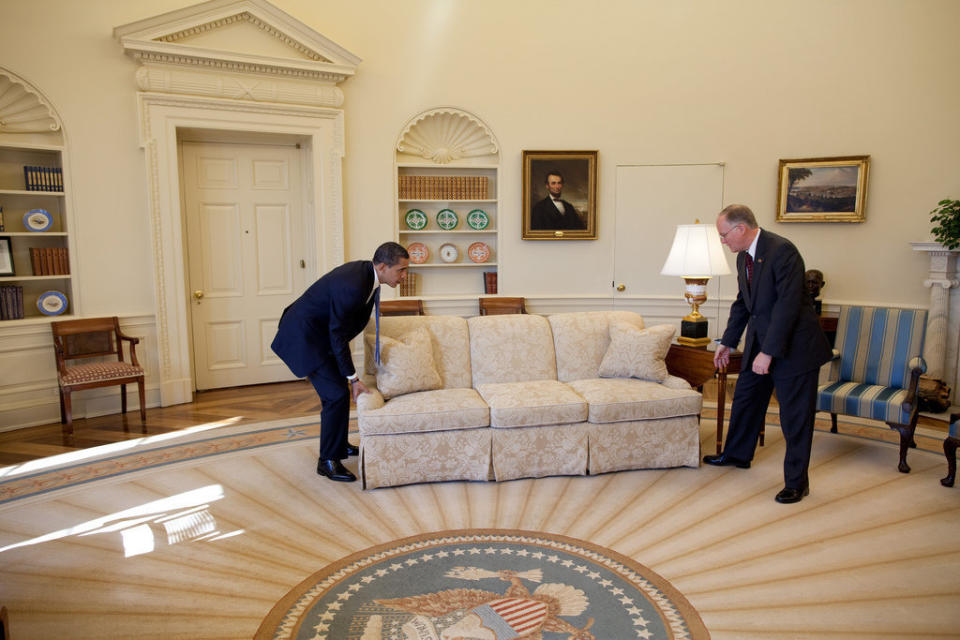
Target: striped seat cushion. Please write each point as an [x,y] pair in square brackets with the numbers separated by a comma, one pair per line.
[864,400]
[98,372]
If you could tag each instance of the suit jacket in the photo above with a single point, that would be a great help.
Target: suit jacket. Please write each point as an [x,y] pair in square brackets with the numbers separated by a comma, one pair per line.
[776,310]
[320,324]
[544,215]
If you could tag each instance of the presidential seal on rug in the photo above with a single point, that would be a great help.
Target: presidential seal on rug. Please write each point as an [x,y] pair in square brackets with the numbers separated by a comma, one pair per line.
[484,585]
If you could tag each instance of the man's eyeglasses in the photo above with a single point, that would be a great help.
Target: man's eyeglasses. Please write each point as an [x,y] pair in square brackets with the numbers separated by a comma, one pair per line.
[724,235]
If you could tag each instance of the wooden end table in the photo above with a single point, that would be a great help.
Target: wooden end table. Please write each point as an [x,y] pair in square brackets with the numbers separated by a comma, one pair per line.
[695,365]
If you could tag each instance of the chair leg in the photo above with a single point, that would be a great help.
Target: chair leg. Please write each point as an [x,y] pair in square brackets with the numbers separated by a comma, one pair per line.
[906,437]
[63,414]
[950,450]
[143,404]
[833,423]
[123,398]
[67,412]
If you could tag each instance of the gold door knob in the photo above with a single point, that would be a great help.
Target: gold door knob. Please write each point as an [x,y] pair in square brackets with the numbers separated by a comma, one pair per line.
[198,294]
[621,287]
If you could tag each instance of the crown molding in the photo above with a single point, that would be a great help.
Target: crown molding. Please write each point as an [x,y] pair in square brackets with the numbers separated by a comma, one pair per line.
[23,109]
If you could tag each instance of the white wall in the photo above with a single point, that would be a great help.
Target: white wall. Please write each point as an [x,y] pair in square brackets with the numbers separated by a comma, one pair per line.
[744,82]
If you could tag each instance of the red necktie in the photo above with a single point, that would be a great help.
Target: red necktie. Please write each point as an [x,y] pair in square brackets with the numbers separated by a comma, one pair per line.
[748,263]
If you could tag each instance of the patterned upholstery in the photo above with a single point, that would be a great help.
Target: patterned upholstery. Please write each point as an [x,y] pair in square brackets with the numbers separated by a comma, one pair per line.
[391,460]
[451,346]
[98,372]
[511,348]
[626,399]
[581,340]
[528,404]
[877,349]
[440,410]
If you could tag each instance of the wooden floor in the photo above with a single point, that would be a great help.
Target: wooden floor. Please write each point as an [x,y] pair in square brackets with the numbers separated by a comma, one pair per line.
[248,404]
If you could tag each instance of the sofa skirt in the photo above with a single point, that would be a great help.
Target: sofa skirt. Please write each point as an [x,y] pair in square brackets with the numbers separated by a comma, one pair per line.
[535,452]
[433,456]
[644,444]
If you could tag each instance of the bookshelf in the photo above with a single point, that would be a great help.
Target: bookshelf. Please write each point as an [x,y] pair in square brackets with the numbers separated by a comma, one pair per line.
[40,258]
[447,178]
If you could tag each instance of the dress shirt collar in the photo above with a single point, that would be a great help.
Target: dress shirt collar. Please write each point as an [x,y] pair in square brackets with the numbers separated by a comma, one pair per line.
[376,283]
[753,245]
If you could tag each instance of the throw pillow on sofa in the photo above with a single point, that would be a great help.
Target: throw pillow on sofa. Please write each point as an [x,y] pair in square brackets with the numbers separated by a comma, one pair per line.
[637,353]
[406,364]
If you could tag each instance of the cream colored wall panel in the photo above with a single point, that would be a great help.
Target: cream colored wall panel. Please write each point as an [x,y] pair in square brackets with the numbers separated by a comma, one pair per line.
[267,330]
[273,259]
[226,344]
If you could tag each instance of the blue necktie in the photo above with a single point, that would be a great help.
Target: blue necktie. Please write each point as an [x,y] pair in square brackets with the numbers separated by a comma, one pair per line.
[376,306]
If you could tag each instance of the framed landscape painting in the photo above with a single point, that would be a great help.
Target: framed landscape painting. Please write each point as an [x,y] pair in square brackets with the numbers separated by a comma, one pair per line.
[823,189]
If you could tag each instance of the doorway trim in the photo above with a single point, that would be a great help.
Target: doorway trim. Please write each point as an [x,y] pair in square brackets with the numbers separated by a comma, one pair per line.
[190,80]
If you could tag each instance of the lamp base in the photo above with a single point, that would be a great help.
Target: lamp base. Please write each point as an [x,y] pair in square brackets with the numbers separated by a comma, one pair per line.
[693,333]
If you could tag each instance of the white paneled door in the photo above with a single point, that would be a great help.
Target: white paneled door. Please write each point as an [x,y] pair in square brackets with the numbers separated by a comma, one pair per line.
[245,248]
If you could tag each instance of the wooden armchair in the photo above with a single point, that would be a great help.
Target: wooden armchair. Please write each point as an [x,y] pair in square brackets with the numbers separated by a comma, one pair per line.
[94,338]
[401,307]
[879,357]
[497,306]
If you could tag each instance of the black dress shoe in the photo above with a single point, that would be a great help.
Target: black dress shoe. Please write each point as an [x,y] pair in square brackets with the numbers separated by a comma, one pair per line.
[335,470]
[789,496]
[352,450]
[723,460]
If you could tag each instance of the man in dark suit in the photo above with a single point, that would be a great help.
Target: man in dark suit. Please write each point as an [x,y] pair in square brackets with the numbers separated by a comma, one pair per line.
[553,212]
[783,350]
[313,339]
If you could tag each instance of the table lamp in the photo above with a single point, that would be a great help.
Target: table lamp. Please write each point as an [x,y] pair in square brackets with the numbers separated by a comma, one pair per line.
[696,255]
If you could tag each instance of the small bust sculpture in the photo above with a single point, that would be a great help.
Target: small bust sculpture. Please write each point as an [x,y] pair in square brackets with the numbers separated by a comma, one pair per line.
[815,282]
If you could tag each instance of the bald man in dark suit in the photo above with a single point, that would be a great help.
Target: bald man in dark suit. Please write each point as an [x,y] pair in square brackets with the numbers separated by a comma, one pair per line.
[313,339]
[783,349]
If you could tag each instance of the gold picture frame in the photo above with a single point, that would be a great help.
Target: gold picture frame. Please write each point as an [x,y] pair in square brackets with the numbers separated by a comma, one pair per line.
[823,189]
[575,218]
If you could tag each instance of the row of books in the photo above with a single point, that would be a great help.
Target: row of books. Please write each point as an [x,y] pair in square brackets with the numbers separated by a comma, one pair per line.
[50,262]
[443,187]
[408,286]
[489,281]
[43,178]
[11,302]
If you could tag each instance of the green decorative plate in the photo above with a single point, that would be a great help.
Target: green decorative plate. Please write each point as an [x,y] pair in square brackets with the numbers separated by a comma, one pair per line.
[447,219]
[478,219]
[415,219]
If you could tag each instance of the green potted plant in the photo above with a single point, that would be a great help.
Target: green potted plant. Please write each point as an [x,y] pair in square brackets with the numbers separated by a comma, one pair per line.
[947,227]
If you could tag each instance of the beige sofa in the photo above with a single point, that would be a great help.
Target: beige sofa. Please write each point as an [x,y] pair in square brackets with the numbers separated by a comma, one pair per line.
[520,396]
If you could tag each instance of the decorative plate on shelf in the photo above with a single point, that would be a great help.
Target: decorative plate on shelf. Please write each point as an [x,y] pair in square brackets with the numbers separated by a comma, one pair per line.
[447,219]
[418,252]
[37,220]
[478,219]
[52,303]
[415,219]
[449,253]
[479,252]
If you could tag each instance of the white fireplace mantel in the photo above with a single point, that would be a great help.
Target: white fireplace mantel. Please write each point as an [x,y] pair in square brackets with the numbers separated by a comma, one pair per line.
[943,322]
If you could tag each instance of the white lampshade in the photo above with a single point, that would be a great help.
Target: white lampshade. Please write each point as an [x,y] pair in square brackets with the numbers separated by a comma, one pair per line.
[696,252]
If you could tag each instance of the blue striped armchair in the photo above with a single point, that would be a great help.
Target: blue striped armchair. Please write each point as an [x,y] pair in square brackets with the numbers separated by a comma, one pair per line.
[877,366]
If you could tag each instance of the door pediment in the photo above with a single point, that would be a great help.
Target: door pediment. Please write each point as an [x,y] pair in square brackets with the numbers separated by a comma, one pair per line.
[239,36]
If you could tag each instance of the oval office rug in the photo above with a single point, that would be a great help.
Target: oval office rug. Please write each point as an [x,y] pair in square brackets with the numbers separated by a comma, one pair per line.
[484,584]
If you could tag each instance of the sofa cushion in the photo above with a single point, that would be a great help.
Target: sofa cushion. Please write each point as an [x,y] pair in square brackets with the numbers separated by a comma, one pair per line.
[440,410]
[581,340]
[623,399]
[511,348]
[637,353]
[406,365]
[532,403]
[451,345]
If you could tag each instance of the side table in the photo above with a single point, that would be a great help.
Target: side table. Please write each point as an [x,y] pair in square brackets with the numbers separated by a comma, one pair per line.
[695,365]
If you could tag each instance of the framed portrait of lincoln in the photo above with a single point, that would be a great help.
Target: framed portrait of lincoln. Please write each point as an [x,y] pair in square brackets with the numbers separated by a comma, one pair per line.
[559,195]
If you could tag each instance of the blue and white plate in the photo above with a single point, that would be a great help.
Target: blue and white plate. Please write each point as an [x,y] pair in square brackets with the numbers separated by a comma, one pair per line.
[37,220]
[52,303]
